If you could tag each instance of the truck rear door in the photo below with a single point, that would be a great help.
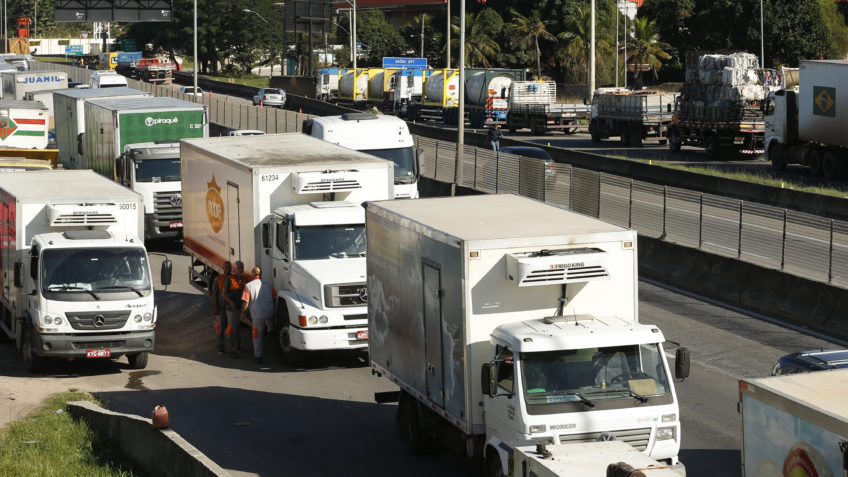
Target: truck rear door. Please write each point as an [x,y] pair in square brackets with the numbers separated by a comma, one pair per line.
[433,334]
[233,222]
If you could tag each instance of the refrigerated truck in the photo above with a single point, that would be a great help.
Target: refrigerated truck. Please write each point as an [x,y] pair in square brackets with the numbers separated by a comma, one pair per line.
[135,141]
[492,314]
[68,108]
[795,425]
[76,277]
[290,204]
[17,84]
[23,124]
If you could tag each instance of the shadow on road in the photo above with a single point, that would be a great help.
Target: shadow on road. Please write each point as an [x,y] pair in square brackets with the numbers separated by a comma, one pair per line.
[711,462]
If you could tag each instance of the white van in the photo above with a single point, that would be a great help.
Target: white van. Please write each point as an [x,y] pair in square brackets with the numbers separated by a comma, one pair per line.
[107,79]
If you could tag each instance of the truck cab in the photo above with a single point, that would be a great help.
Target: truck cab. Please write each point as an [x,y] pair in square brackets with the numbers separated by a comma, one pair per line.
[107,79]
[153,170]
[386,137]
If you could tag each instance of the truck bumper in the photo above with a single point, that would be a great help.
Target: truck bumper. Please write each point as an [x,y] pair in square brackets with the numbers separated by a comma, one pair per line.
[156,229]
[327,339]
[75,346]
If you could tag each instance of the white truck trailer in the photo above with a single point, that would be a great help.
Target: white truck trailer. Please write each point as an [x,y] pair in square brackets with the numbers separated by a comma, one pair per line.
[542,313]
[595,459]
[134,141]
[383,136]
[16,85]
[23,124]
[77,277]
[632,115]
[806,124]
[291,204]
[795,425]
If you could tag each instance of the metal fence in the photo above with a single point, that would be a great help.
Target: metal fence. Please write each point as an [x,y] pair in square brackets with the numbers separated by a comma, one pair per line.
[795,242]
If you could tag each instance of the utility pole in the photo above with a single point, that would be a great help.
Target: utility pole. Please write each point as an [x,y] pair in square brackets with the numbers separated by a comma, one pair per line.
[353,34]
[422,34]
[617,14]
[592,54]
[461,116]
[447,45]
[196,59]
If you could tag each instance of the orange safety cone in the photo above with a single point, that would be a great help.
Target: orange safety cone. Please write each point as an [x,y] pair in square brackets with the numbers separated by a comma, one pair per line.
[160,417]
[228,99]
[300,110]
[261,103]
[210,95]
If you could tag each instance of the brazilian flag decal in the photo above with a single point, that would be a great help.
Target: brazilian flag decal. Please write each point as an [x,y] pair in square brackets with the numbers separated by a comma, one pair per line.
[824,101]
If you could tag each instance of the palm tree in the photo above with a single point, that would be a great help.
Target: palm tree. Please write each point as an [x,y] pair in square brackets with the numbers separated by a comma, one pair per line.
[646,48]
[421,23]
[534,27]
[576,42]
[479,47]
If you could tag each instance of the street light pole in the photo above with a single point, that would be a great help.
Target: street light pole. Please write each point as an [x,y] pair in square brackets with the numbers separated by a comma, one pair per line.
[196,62]
[762,43]
[461,116]
[353,36]
[448,45]
[592,54]
[617,14]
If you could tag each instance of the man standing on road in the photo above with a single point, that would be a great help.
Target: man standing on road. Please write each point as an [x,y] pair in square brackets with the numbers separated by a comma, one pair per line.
[258,296]
[233,289]
[494,137]
[219,305]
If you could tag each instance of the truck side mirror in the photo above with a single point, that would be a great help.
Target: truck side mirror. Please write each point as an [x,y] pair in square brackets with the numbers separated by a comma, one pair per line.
[167,269]
[266,235]
[681,363]
[19,267]
[668,107]
[487,379]
[419,157]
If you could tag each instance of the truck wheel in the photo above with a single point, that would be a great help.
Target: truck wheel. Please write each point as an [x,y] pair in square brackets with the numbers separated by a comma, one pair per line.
[830,165]
[291,356]
[635,134]
[624,134]
[593,131]
[138,361]
[814,160]
[777,156]
[493,464]
[33,362]
[408,426]
[711,145]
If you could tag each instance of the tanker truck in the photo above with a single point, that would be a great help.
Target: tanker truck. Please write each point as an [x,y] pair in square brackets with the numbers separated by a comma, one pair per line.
[353,85]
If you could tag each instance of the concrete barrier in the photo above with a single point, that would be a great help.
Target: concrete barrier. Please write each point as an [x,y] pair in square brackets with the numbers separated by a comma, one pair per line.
[158,451]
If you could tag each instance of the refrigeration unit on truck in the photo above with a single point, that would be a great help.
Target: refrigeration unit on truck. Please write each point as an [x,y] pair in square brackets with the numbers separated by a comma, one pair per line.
[795,425]
[383,136]
[532,105]
[70,126]
[806,124]
[499,336]
[290,204]
[77,281]
[634,116]
[135,141]
[24,124]
[17,84]
[595,459]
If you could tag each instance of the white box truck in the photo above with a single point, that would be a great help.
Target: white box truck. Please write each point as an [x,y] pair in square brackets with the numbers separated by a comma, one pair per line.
[291,204]
[795,425]
[135,141]
[16,85]
[383,136]
[68,108]
[595,459]
[514,335]
[46,98]
[76,278]
[23,124]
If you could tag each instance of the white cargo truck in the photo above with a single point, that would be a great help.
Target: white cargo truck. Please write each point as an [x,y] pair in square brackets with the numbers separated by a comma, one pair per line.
[17,84]
[595,459]
[634,116]
[134,141]
[68,108]
[383,136]
[46,98]
[532,104]
[806,124]
[501,336]
[76,278]
[795,425]
[291,204]
[23,124]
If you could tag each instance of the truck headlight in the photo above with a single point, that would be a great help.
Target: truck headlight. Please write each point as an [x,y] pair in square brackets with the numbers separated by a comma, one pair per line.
[323,320]
[669,417]
[313,320]
[57,320]
[148,316]
[665,433]
[137,318]
[47,320]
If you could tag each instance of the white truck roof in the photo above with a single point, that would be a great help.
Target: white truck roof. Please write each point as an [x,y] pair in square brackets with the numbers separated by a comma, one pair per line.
[279,150]
[502,216]
[584,331]
[63,186]
[363,131]
[806,389]
[99,92]
[21,104]
[152,103]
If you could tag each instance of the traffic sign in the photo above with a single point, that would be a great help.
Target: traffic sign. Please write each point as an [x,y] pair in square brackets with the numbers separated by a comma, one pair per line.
[73,50]
[128,45]
[390,62]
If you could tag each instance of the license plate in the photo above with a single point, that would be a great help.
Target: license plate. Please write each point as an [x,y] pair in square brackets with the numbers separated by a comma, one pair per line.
[98,353]
[176,225]
[362,335]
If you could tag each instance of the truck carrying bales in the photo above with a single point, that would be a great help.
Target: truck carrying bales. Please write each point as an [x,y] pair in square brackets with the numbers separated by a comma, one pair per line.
[135,141]
[634,116]
[24,124]
[806,124]
[719,108]
[471,319]
[795,425]
[532,104]
[291,204]
[77,278]
[17,84]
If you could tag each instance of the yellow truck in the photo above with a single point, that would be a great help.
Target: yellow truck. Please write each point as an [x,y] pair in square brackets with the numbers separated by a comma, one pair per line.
[107,61]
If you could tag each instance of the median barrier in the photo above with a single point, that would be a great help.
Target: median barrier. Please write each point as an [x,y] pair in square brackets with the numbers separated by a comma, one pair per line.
[160,452]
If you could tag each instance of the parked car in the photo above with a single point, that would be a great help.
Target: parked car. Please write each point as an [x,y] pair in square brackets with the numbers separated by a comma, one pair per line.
[270,97]
[815,360]
[245,132]
[189,90]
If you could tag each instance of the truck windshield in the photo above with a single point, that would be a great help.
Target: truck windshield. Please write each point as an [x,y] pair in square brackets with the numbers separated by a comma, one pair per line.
[329,241]
[619,376]
[87,274]
[403,159]
[157,170]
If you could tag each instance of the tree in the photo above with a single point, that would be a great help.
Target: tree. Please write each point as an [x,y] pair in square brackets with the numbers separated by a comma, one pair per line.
[432,40]
[645,47]
[575,44]
[534,27]
[480,48]
[377,36]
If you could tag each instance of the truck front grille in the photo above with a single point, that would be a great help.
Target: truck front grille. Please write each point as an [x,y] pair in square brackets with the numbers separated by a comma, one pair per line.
[108,320]
[167,208]
[350,294]
[637,438]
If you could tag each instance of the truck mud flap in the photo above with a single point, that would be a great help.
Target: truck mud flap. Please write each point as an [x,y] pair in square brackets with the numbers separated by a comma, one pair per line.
[387,397]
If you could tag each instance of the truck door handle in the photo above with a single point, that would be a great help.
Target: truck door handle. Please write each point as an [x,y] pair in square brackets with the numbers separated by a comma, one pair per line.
[431,369]
[232,251]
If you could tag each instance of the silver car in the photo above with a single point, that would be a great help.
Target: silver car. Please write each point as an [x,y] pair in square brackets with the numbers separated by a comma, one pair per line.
[270,97]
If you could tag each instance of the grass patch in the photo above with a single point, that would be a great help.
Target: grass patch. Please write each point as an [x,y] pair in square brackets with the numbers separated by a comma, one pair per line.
[55,59]
[248,80]
[51,443]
